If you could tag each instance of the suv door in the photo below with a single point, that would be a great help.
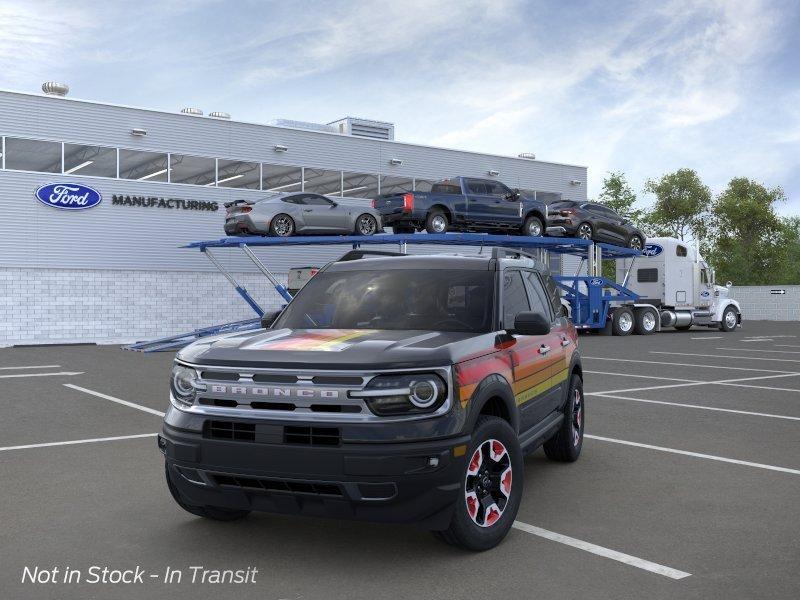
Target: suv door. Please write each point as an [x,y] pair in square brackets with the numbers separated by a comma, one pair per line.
[531,356]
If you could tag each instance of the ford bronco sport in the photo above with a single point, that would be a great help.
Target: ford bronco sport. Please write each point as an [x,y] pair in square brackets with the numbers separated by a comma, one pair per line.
[391,388]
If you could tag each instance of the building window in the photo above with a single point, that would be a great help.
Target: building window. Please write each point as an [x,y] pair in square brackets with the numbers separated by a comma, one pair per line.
[647,275]
[97,161]
[396,185]
[33,155]
[423,185]
[321,181]
[280,178]
[237,174]
[194,170]
[143,166]
[359,185]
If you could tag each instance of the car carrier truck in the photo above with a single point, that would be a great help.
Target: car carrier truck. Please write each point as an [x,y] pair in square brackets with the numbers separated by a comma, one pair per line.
[676,288]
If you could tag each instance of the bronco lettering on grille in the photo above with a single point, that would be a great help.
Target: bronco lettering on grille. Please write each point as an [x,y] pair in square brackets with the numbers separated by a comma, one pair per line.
[273,391]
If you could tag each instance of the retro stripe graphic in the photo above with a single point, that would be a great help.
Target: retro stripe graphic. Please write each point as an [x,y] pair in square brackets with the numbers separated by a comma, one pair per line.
[330,340]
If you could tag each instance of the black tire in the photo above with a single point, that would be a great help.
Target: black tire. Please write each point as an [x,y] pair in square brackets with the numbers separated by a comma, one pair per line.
[533,227]
[566,444]
[437,221]
[636,242]
[585,231]
[276,225]
[403,229]
[215,513]
[366,225]
[646,321]
[464,530]
[622,322]
[730,319]
[683,327]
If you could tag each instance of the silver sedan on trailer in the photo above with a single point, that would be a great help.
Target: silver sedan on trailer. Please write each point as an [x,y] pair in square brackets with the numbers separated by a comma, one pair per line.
[300,213]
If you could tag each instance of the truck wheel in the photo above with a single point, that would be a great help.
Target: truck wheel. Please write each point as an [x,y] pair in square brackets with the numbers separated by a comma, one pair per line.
[208,512]
[281,225]
[491,488]
[635,242]
[623,321]
[533,227]
[645,321]
[436,222]
[366,224]
[729,319]
[566,444]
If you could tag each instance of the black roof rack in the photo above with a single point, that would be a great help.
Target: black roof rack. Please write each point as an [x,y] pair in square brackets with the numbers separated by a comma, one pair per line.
[503,252]
[359,254]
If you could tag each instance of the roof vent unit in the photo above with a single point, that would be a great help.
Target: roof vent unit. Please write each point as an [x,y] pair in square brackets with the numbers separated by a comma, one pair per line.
[192,111]
[376,130]
[51,88]
[303,125]
[527,155]
[219,115]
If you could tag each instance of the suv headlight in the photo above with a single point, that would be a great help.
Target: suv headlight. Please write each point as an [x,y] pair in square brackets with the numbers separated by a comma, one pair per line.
[184,384]
[404,394]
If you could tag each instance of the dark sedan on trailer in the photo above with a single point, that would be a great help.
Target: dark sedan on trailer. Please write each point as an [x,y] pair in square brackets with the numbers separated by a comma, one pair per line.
[299,213]
[591,221]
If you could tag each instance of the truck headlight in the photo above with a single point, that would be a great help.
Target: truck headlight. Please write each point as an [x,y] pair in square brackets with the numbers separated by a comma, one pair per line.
[184,384]
[402,394]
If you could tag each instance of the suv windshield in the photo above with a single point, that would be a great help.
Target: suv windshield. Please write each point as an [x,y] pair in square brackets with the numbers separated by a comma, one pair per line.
[438,300]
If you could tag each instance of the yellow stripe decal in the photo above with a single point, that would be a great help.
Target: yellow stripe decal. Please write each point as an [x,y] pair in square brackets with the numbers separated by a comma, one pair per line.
[336,341]
[534,391]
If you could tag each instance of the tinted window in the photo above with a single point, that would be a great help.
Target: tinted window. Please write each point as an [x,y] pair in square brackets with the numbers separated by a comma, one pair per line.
[495,188]
[515,299]
[538,298]
[195,170]
[143,166]
[294,200]
[437,300]
[238,174]
[475,186]
[98,161]
[681,250]
[647,275]
[317,200]
[446,187]
[33,155]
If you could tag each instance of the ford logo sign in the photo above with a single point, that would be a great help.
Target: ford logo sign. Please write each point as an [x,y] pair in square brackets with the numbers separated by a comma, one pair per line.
[705,294]
[68,196]
[652,250]
[595,282]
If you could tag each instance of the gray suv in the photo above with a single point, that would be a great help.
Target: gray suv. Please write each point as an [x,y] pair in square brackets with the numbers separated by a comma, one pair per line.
[299,213]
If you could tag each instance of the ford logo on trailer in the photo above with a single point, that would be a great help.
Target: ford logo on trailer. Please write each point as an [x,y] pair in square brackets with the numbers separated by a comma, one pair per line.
[68,196]
[652,250]
[595,282]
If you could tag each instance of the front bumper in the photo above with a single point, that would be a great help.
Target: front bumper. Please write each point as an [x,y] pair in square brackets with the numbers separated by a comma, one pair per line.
[411,482]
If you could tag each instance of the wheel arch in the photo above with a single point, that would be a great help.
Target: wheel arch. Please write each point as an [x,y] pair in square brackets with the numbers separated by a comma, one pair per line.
[445,209]
[535,212]
[493,396]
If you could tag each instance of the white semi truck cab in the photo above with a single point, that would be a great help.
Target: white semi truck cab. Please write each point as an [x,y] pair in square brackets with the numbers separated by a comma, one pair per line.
[676,287]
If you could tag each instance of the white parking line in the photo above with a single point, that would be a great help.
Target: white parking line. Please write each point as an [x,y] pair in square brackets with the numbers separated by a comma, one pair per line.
[146,409]
[694,454]
[733,382]
[642,376]
[72,442]
[682,405]
[30,367]
[656,362]
[17,375]
[760,350]
[708,337]
[633,561]
[792,360]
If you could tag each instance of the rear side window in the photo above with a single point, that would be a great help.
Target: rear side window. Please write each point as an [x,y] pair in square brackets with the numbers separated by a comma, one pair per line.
[681,250]
[647,275]
[293,200]
[553,295]
[515,299]
[536,293]
[446,187]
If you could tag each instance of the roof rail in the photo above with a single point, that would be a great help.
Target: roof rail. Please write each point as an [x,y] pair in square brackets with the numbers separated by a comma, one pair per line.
[503,252]
[359,254]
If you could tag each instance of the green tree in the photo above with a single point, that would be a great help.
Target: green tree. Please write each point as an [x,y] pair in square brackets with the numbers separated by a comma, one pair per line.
[751,244]
[618,195]
[681,206]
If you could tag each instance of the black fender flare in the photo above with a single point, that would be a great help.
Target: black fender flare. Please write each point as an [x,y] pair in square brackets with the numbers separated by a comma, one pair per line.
[535,212]
[493,386]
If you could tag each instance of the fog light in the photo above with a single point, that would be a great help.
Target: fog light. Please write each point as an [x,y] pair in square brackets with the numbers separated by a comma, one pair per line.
[433,461]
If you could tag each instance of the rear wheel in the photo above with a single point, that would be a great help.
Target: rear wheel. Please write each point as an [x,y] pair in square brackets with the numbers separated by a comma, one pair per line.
[436,222]
[533,227]
[566,444]
[729,319]
[635,242]
[491,488]
[366,224]
[623,321]
[282,225]
[215,513]
[585,231]
[645,323]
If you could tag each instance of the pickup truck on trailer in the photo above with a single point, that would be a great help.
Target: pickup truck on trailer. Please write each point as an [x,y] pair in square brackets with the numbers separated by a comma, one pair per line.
[391,388]
[464,204]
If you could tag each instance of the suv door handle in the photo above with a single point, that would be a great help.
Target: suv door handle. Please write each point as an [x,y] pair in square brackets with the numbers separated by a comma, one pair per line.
[544,349]
[565,342]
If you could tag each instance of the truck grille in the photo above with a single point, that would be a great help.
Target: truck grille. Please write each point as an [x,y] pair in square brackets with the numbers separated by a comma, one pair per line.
[278,485]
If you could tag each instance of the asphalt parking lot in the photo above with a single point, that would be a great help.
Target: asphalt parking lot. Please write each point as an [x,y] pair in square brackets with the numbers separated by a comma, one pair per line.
[687,487]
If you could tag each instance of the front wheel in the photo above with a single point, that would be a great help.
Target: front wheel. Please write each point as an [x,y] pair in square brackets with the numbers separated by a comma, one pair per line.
[566,444]
[729,319]
[366,224]
[585,231]
[491,488]
[533,227]
[436,222]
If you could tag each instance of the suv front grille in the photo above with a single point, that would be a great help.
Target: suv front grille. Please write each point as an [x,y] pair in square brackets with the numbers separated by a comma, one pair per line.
[272,434]
[277,485]
[231,430]
[312,436]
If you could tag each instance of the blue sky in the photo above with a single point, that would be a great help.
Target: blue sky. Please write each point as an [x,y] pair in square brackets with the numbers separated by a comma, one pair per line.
[641,87]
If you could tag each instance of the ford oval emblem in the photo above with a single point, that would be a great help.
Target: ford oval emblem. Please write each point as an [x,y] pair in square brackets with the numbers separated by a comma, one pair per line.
[595,281]
[652,250]
[68,196]
[705,294]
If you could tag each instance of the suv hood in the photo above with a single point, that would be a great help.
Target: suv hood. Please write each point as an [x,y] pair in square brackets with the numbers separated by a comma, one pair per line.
[337,349]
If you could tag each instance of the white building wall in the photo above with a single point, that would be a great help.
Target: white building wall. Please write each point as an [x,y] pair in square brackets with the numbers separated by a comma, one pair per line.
[760,304]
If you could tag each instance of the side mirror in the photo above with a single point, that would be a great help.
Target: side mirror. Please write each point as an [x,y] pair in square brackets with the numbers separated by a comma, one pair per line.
[269,318]
[531,323]
[334,204]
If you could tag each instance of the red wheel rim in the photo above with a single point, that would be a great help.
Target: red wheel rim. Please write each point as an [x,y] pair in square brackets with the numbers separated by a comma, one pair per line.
[487,489]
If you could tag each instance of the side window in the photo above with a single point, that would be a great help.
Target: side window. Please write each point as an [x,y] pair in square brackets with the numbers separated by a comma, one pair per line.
[554,295]
[538,298]
[496,188]
[446,187]
[515,299]
[681,250]
[476,186]
[703,276]
[293,199]
[315,200]
[647,275]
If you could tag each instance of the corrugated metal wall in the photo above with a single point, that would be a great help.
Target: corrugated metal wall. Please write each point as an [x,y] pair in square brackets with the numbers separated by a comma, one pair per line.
[123,237]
